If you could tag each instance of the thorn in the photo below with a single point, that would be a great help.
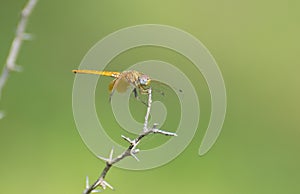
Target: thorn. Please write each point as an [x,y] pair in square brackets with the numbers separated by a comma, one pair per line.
[87,185]
[104,159]
[145,129]
[164,132]
[136,151]
[96,191]
[14,67]
[134,156]
[27,36]
[87,182]
[128,139]
[155,125]
[111,154]
[17,68]
[105,184]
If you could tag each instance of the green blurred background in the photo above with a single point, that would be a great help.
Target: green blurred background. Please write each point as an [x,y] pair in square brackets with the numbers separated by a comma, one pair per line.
[256,45]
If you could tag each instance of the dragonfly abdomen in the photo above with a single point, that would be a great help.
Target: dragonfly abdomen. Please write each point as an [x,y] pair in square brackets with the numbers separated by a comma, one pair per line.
[104,73]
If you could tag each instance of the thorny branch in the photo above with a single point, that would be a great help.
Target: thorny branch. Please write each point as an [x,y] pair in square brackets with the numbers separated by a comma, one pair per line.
[130,151]
[16,44]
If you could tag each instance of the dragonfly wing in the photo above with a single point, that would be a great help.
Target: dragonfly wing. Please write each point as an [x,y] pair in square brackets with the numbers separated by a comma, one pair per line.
[122,85]
[162,88]
[119,84]
[111,87]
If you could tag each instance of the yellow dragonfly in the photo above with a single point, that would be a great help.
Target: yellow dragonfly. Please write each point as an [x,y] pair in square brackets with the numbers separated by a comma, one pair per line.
[139,81]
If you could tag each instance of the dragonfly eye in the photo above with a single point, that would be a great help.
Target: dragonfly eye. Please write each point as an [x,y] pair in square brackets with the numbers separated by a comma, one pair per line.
[144,80]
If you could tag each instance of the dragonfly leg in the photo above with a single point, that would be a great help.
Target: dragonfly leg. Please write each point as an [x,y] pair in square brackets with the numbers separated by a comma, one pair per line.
[136,95]
[143,90]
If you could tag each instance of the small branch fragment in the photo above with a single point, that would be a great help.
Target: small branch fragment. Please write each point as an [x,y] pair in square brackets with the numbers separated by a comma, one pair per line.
[16,44]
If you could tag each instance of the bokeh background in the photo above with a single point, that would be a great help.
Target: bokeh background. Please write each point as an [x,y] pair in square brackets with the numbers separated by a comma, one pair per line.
[256,45]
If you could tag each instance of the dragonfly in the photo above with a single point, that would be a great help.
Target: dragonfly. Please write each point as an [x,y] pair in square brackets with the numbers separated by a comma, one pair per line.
[122,81]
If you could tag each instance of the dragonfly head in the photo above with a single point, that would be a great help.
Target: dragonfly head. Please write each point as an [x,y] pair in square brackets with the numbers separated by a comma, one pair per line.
[144,80]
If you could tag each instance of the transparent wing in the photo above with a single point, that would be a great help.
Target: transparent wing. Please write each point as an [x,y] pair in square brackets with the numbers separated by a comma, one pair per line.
[122,85]
[162,92]
[119,84]
[163,89]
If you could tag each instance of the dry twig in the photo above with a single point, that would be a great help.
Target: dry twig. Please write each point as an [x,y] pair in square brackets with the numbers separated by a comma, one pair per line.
[130,151]
[16,44]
